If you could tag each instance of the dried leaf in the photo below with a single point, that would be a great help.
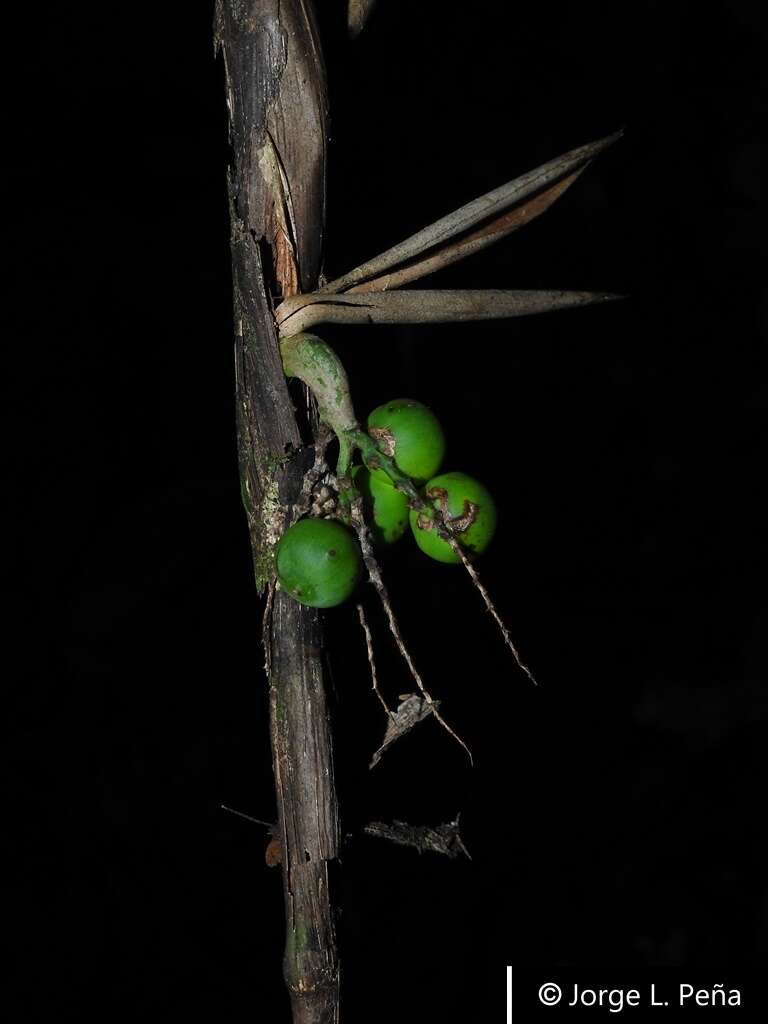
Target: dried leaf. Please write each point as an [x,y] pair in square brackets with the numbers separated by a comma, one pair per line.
[443,839]
[301,312]
[486,207]
[412,710]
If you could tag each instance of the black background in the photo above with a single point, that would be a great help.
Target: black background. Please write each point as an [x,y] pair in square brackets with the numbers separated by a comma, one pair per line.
[615,814]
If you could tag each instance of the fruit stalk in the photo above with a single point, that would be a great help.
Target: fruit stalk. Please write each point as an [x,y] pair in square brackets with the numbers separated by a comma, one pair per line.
[311,360]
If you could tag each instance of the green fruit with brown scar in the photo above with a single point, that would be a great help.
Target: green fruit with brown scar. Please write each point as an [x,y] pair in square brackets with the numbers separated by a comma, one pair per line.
[467,509]
[409,433]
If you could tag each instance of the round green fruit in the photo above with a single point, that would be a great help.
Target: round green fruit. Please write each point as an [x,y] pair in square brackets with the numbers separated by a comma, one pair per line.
[386,508]
[467,508]
[410,434]
[318,562]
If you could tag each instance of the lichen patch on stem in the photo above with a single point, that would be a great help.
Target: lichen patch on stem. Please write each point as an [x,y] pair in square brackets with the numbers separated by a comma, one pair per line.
[271,515]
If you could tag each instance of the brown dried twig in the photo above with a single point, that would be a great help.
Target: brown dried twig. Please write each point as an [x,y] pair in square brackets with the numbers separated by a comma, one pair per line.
[474,576]
[371,660]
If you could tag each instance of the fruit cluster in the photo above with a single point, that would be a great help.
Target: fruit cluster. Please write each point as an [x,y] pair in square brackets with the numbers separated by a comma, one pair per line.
[319,561]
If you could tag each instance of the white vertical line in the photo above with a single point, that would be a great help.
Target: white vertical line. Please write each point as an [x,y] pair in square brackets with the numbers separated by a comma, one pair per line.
[509,995]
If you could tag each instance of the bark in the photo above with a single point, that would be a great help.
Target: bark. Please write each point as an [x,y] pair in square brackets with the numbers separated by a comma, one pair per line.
[277,103]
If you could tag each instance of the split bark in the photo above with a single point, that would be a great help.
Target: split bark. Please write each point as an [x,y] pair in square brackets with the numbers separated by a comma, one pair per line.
[277,101]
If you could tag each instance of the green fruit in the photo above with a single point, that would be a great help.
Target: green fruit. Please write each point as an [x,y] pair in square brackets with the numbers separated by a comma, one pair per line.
[386,508]
[467,508]
[318,562]
[409,433]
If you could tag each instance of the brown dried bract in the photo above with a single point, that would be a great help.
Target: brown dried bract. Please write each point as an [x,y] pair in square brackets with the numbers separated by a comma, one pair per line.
[425,521]
[412,709]
[457,524]
[440,495]
[384,439]
[274,853]
[460,523]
